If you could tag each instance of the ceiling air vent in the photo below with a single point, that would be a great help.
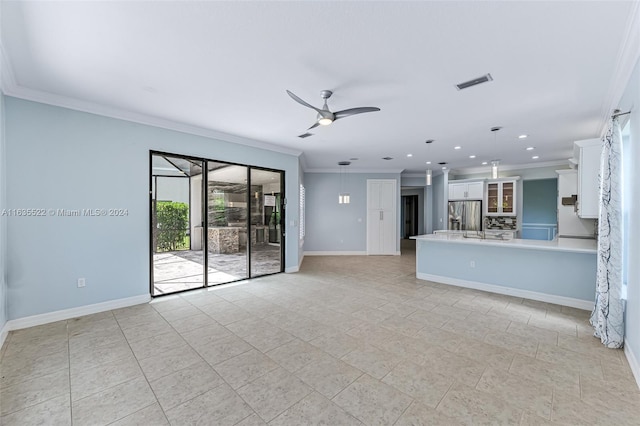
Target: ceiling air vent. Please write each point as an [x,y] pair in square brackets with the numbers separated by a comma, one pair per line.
[442,163]
[305,135]
[344,163]
[485,78]
[387,158]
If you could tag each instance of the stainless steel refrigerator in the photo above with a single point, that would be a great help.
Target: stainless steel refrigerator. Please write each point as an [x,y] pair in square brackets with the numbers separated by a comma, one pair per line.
[465,215]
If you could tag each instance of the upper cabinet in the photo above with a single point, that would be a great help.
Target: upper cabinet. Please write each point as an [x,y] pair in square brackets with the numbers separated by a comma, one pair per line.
[500,198]
[466,190]
[587,152]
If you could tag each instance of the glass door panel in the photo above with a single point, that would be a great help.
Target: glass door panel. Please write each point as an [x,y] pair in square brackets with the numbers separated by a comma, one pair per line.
[266,222]
[176,231]
[492,198]
[507,197]
[227,211]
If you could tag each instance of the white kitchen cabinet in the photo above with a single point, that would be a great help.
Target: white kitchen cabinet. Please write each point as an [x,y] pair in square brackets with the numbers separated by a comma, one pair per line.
[587,153]
[500,198]
[381,216]
[569,224]
[466,190]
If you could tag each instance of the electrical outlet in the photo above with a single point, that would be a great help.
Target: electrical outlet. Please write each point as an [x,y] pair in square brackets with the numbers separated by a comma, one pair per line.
[81,282]
[472,264]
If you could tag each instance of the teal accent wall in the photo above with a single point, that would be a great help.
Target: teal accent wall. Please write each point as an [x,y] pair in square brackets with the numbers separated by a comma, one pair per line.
[539,209]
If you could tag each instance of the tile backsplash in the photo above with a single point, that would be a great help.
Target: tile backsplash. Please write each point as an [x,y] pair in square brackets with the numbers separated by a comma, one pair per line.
[500,222]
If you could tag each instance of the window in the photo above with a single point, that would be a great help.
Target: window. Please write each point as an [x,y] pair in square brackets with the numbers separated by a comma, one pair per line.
[626,197]
[301,214]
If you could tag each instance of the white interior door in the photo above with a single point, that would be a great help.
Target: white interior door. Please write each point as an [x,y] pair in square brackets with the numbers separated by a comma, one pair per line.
[381,216]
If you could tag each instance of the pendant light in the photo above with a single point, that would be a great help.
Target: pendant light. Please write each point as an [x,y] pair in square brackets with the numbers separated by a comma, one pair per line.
[429,175]
[343,196]
[495,164]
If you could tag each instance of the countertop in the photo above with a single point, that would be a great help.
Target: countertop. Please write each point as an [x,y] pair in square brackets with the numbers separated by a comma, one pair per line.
[575,245]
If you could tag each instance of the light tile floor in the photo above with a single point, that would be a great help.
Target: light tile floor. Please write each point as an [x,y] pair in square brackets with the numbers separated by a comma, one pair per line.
[346,341]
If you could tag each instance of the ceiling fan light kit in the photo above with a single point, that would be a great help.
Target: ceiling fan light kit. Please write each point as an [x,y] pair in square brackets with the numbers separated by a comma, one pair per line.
[325,116]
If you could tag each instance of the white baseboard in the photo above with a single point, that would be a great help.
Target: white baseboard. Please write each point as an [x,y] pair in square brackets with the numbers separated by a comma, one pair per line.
[65,314]
[335,253]
[633,363]
[587,305]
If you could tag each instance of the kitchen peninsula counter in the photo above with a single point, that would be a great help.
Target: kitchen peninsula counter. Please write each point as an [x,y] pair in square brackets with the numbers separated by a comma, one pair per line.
[562,271]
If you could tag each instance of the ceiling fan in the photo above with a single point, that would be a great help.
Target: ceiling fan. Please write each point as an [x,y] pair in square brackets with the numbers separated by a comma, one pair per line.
[325,116]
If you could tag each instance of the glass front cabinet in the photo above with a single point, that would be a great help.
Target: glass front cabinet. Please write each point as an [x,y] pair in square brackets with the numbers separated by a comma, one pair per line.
[500,198]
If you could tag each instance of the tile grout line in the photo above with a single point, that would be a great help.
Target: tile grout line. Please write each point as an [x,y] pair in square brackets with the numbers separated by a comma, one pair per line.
[142,371]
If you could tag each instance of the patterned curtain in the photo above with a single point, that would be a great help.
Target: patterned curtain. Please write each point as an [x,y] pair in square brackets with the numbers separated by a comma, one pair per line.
[607,317]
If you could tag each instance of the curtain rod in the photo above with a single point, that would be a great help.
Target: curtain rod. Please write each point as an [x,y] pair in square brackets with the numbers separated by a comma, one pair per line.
[617,113]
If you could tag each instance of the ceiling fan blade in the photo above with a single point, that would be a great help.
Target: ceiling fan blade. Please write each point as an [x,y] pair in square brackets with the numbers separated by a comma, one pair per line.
[316,124]
[352,111]
[301,102]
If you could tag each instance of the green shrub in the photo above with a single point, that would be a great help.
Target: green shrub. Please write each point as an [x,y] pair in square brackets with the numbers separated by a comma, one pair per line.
[173,224]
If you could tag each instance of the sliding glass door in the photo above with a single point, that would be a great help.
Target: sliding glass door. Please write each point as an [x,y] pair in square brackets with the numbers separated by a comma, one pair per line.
[176,231]
[266,227]
[227,222]
[213,222]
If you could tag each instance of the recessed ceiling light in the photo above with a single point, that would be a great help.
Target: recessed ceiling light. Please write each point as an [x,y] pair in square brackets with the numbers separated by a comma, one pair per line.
[484,163]
[428,162]
[444,167]
[535,157]
[531,148]
[522,137]
[457,147]
[409,155]
[472,156]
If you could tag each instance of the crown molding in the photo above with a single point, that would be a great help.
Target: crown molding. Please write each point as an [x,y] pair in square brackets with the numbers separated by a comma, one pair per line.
[14,90]
[353,171]
[628,56]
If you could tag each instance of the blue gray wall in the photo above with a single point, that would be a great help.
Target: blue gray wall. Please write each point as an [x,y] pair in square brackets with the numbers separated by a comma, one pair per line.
[631,101]
[539,209]
[63,159]
[3,222]
[334,227]
[438,197]
[535,270]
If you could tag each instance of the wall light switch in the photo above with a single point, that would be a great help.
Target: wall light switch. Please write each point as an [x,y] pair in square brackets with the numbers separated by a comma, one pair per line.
[81,282]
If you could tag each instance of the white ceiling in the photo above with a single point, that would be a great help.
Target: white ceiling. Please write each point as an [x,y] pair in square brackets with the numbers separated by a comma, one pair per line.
[225,66]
